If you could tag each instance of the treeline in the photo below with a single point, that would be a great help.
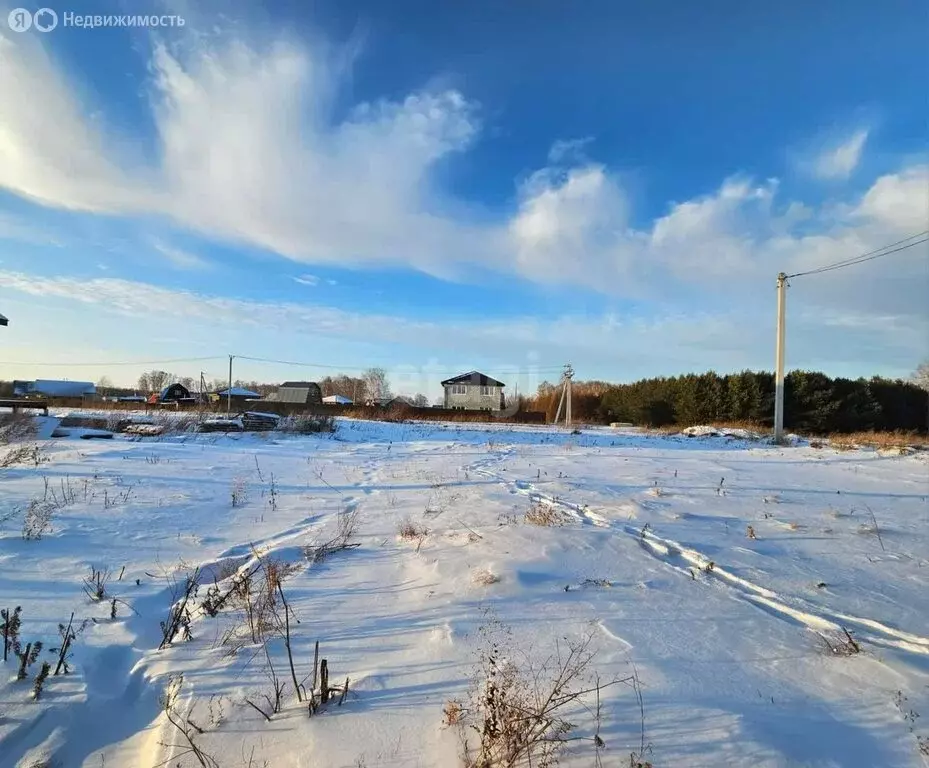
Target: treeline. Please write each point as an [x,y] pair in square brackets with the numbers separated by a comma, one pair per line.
[814,402]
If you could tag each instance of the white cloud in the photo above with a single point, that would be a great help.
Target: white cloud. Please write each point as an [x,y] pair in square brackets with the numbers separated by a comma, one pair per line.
[569,150]
[899,200]
[840,160]
[310,280]
[179,258]
[186,323]
[248,151]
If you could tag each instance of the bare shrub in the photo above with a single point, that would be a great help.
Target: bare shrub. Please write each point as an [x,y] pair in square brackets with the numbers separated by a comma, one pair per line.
[307,424]
[184,725]
[275,701]
[12,621]
[68,635]
[484,577]
[256,593]
[452,713]
[840,644]
[911,717]
[37,520]
[94,584]
[17,428]
[22,453]
[27,657]
[40,679]
[165,424]
[410,531]
[179,616]
[346,526]
[542,514]
[518,708]
[239,491]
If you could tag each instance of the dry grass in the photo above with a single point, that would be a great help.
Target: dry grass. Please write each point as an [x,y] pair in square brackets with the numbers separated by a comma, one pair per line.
[412,532]
[850,441]
[452,713]
[545,515]
[22,453]
[17,428]
[484,577]
[884,440]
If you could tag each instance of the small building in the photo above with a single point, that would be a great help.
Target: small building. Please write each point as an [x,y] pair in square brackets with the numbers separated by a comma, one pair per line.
[337,400]
[302,392]
[239,392]
[174,393]
[53,388]
[3,320]
[474,391]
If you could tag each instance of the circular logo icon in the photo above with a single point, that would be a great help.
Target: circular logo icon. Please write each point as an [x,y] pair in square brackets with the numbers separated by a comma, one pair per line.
[20,20]
[45,19]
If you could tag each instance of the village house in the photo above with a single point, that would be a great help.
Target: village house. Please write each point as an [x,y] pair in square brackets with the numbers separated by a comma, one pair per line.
[474,391]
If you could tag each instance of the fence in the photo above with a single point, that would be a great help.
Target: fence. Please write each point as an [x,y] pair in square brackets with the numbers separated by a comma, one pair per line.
[395,412]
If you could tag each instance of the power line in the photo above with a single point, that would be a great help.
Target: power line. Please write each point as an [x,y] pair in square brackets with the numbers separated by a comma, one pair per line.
[136,362]
[869,256]
[541,369]
[300,364]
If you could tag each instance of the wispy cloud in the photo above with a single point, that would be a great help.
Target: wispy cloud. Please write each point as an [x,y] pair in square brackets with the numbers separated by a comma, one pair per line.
[659,344]
[250,152]
[179,258]
[20,230]
[840,160]
[310,280]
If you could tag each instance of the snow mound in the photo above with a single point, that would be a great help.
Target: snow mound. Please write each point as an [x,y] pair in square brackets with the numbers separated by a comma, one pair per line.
[706,431]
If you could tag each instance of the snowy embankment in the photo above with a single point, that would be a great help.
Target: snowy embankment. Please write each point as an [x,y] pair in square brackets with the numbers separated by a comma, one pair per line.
[716,577]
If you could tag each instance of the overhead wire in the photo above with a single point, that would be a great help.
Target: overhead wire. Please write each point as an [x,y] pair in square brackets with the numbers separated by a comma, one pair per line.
[131,362]
[303,364]
[885,250]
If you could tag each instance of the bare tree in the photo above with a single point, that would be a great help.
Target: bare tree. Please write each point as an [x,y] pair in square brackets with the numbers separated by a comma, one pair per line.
[104,384]
[155,381]
[421,401]
[377,387]
[921,376]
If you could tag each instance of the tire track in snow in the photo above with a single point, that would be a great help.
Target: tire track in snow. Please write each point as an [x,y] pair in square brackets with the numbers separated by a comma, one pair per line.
[678,557]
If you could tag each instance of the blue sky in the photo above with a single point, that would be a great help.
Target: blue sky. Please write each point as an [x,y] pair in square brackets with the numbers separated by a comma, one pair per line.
[434,188]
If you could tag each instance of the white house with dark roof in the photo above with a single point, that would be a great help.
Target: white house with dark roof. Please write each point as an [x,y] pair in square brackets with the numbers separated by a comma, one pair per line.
[474,391]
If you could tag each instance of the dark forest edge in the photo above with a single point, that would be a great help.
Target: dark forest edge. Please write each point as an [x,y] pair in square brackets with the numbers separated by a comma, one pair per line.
[814,403]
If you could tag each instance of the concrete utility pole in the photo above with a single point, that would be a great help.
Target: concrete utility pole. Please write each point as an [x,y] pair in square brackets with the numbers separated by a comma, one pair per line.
[565,395]
[569,372]
[779,358]
[229,390]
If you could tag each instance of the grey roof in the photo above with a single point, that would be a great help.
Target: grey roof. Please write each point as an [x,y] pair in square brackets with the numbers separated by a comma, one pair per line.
[54,388]
[476,378]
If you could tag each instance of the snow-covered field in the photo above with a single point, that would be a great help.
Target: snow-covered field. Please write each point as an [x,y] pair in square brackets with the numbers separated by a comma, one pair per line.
[723,632]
